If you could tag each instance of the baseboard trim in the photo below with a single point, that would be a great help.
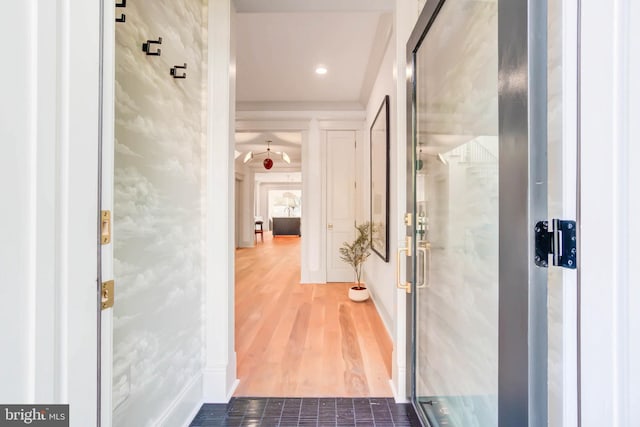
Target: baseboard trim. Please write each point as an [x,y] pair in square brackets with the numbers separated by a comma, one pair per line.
[247,244]
[193,414]
[185,405]
[399,380]
[233,389]
[218,384]
[396,396]
[385,320]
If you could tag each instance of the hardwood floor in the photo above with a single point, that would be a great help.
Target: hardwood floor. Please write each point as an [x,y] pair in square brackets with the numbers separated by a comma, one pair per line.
[303,340]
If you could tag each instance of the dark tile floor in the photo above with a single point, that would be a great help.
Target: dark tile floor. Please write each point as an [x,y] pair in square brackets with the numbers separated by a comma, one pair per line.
[293,412]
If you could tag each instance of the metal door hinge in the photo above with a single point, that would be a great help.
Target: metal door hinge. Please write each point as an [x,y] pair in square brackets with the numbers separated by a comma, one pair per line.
[105,227]
[559,242]
[407,219]
[107,294]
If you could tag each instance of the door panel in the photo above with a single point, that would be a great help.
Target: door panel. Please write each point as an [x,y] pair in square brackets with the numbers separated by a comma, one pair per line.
[341,196]
[456,211]
[492,151]
[48,228]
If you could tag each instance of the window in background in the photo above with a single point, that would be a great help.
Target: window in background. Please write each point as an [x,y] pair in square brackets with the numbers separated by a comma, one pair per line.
[285,203]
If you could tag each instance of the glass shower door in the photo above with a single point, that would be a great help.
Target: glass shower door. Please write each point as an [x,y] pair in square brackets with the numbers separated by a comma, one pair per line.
[456,216]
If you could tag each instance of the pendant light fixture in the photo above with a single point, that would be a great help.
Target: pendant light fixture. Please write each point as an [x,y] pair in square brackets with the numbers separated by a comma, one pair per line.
[268,162]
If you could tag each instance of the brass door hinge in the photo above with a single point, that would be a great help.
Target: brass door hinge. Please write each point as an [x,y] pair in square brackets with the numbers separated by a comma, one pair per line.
[105,227]
[107,294]
[407,219]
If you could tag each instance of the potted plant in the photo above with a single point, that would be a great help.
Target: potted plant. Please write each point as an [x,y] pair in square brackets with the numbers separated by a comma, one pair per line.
[355,254]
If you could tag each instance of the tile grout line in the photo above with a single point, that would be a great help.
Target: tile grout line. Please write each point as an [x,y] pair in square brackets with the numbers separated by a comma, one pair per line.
[246,412]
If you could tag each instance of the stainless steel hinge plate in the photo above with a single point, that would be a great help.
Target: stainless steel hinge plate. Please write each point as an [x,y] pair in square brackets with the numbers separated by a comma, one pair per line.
[560,242]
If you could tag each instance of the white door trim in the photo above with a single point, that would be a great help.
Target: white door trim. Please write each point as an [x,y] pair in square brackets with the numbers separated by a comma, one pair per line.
[107,193]
[219,377]
[608,277]
[569,206]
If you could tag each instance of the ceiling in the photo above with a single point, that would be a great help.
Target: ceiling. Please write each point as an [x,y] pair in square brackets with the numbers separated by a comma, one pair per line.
[277,54]
[279,44]
[289,142]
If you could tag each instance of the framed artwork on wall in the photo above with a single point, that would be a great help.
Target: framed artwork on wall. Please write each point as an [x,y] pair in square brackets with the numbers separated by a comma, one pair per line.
[379,167]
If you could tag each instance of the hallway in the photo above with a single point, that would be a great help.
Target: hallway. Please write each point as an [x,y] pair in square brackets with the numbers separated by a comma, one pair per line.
[303,340]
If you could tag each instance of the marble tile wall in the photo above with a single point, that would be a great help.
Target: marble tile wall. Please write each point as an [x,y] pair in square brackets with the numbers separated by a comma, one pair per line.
[158,227]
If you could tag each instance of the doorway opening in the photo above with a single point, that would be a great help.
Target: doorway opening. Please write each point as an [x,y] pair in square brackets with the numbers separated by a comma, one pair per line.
[293,339]
[296,334]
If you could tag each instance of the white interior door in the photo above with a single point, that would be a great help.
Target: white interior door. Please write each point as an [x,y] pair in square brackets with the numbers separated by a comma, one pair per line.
[48,182]
[341,199]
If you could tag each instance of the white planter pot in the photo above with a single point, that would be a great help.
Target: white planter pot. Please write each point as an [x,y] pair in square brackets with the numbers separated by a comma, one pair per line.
[358,295]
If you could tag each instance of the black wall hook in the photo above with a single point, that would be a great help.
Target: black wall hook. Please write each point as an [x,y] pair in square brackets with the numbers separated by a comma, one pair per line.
[174,71]
[146,47]
[122,18]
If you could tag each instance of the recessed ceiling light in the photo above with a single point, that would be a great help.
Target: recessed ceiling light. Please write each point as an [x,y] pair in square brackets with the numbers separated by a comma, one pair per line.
[321,70]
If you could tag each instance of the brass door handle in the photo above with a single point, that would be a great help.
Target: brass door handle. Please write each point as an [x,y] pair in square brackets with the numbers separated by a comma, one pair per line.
[330,226]
[401,285]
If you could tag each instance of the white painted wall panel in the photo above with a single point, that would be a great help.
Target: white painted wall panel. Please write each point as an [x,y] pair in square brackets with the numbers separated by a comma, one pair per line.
[380,275]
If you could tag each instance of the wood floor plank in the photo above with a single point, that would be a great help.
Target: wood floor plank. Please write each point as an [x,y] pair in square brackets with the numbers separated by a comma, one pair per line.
[354,377]
[303,340]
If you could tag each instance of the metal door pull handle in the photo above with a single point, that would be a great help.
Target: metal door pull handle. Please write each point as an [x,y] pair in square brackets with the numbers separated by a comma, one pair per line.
[406,285]
[426,267]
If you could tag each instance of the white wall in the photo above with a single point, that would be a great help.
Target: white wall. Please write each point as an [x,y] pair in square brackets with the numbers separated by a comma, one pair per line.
[378,274]
[244,216]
